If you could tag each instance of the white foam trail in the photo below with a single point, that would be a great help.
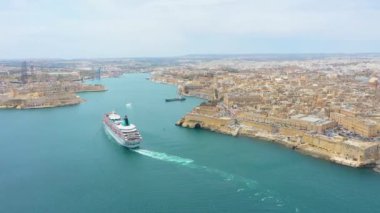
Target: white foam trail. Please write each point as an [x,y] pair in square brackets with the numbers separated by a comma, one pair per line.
[248,184]
[189,163]
[164,157]
[128,105]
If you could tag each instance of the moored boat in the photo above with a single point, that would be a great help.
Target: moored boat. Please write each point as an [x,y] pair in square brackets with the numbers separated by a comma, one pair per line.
[175,99]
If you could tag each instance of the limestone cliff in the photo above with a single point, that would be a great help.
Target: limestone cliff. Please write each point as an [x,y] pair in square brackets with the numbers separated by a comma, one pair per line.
[222,125]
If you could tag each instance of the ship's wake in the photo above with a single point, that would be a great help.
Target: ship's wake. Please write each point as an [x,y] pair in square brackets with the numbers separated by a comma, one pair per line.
[190,164]
[164,157]
[245,185]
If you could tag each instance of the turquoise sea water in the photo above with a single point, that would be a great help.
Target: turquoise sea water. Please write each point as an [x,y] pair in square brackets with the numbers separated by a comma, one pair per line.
[60,160]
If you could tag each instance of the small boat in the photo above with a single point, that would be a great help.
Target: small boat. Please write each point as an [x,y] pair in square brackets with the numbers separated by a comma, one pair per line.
[175,99]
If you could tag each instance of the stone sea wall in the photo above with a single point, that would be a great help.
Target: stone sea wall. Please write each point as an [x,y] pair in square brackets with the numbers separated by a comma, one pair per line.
[47,98]
[346,152]
[41,102]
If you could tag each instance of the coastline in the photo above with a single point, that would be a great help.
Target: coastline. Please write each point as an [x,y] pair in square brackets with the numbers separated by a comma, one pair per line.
[30,101]
[300,147]
[300,143]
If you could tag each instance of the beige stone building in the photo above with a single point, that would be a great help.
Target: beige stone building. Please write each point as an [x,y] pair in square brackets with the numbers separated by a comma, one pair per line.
[300,122]
[349,152]
[365,128]
[242,99]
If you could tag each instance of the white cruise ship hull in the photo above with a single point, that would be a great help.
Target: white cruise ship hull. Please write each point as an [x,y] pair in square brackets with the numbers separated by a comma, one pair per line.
[119,140]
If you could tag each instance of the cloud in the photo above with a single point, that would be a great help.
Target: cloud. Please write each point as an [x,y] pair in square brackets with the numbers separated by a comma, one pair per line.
[108,28]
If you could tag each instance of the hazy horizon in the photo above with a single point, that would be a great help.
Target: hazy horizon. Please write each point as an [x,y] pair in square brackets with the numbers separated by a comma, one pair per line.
[167,28]
[200,55]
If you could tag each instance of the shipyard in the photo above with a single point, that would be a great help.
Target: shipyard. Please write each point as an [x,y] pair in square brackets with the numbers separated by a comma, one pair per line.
[32,84]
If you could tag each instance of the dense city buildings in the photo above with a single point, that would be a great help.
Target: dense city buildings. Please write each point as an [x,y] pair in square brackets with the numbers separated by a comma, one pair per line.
[328,107]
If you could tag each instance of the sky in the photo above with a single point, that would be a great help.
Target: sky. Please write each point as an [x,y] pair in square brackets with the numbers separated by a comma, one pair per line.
[164,28]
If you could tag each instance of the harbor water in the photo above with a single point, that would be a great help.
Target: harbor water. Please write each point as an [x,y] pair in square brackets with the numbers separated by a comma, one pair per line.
[61,160]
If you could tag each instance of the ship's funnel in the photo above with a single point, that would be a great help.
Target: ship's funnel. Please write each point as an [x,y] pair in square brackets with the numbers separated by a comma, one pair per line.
[126,120]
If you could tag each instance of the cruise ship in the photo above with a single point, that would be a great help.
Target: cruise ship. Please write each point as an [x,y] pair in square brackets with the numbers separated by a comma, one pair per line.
[121,130]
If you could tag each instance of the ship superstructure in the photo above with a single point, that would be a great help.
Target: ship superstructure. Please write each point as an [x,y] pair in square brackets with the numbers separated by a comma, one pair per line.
[121,130]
